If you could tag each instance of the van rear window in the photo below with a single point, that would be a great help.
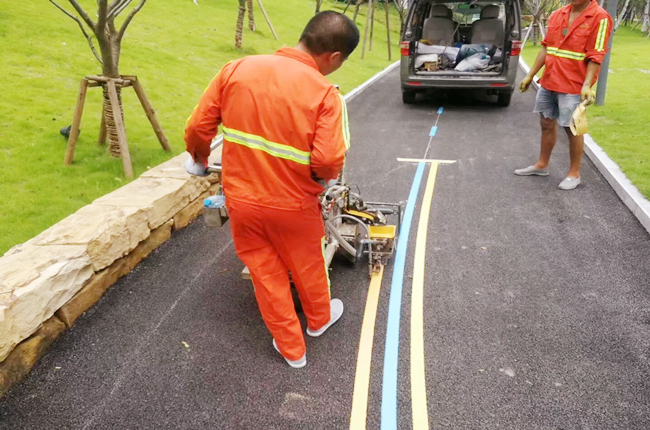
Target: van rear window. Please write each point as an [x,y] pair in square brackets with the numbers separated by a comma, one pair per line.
[467,13]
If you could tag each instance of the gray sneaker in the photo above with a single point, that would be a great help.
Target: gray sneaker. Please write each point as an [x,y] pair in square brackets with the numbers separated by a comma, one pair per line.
[296,364]
[336,310]
[569,183]
[530,171]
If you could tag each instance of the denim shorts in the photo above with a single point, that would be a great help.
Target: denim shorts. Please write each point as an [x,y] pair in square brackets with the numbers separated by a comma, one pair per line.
[554,105]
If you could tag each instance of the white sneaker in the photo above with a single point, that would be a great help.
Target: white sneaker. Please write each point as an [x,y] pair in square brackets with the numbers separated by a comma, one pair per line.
[530,171]
[569,183]
[296,364]
[336,310]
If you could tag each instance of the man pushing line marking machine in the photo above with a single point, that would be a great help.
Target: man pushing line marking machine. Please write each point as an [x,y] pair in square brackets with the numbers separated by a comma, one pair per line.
[354,228]
[290,208]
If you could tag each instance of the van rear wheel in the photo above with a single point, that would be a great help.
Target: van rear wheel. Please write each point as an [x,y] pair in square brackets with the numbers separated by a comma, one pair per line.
[408,97]
[504,98]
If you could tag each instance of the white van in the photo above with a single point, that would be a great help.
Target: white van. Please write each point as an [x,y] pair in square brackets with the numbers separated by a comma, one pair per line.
[461,44]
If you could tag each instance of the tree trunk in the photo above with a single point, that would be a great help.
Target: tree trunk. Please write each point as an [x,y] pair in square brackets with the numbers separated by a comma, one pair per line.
[239,32]
[646,17]
[110,49]
[251,18]
[622,14]
[109,118]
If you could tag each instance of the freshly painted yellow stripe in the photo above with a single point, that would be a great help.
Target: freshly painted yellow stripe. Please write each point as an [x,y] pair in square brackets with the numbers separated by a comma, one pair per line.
[364,358]
[418,379]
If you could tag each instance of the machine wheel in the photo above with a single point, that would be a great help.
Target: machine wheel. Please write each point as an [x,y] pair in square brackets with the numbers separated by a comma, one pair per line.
[408,97]
[504,98]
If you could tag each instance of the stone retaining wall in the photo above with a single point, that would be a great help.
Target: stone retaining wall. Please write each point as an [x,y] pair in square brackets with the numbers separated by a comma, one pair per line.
[47,282]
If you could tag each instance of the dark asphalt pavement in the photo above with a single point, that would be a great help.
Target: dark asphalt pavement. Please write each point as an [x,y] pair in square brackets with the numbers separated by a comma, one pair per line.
[537,303]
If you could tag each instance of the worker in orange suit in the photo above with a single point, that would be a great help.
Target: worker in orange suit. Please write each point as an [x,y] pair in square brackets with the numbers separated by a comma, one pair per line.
[285,132]
[572,51]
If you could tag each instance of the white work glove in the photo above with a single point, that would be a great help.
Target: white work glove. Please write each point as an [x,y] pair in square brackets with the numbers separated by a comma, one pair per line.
[196,169]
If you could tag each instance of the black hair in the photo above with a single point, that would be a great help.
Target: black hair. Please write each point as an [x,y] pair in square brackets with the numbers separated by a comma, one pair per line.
[330,32]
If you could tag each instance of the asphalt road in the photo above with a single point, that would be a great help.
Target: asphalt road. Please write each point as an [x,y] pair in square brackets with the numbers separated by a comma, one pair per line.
[537,303]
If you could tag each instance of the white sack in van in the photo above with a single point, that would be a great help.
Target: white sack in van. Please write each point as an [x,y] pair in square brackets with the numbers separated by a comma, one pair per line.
[449,51]
[475,62]
[421,59]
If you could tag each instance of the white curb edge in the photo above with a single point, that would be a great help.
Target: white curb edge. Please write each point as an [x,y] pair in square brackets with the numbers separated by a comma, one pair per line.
[349,96]
[626,190]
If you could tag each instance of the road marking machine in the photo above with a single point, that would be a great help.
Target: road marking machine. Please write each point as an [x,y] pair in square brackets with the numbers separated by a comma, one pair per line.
[354,228]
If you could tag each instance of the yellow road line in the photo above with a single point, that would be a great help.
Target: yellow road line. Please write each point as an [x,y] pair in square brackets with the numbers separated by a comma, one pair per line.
[418,381]
[424,160]
[364,358]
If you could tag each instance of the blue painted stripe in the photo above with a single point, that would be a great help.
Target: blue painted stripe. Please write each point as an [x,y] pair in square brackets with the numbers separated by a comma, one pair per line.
[391,353]
[440,110]
[433,131]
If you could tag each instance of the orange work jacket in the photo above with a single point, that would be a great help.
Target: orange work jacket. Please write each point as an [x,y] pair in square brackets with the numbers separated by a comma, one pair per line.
[284,124]
[568,48]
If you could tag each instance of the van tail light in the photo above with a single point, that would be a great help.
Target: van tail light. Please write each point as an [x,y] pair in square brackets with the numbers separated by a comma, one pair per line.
[405,48]
[516,48]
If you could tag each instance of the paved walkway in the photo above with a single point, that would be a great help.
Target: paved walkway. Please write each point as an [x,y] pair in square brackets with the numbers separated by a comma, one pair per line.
[536,304]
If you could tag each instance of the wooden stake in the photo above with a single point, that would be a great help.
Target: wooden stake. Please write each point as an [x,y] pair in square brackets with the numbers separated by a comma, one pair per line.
[121,133]
[365,31]
[251,18]
[356,10]
[372,22]
[76,121]
[102,129]
[347,5]
[151,114]
[386,4]
[266,17]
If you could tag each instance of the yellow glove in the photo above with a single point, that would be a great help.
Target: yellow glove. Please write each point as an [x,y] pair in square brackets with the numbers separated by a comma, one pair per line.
[525,84]
[578,125]
[587,95]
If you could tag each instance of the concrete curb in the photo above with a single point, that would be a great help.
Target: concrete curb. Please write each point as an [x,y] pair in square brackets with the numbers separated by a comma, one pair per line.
[626,190]
[49,281]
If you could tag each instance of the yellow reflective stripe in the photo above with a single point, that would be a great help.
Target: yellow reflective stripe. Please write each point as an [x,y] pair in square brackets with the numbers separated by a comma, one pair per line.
[566,54]
[274,149]
[563,53]
[602,32]
[346,122]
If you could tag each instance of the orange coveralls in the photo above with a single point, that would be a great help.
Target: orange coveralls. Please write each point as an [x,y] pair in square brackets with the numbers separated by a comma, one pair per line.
[283,125]
[569,47]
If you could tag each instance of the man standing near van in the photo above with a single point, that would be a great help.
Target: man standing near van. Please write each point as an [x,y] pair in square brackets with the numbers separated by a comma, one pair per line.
[572,51]
[285,128]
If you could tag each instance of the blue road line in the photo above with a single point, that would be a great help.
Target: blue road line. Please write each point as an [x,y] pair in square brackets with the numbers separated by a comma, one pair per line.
[440,110]
[433,131]
[391,353]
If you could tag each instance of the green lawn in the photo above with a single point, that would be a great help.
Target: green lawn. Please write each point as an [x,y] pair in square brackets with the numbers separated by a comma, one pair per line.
[622,125]
[175,48]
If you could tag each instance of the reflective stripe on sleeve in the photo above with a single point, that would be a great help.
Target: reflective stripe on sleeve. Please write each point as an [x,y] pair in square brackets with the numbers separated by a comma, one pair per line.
[602,35]
[346,122]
